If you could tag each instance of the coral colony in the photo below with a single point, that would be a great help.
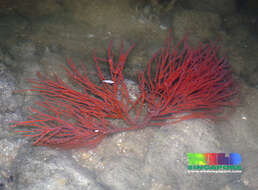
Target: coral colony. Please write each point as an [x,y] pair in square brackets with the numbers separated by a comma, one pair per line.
[178,83]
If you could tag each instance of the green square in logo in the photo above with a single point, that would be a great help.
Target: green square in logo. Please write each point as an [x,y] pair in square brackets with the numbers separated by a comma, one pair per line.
[196,159]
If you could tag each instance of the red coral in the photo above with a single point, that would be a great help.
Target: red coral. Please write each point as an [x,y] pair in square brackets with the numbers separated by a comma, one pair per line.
[186,83]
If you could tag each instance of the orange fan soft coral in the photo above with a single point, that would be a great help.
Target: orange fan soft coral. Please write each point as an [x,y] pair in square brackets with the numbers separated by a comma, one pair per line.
[186,83]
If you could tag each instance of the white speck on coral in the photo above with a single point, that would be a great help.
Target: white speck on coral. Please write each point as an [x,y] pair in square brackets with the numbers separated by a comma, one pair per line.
[244,118]
[108,81]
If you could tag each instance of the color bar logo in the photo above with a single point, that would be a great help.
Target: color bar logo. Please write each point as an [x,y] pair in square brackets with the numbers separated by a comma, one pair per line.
[214,162]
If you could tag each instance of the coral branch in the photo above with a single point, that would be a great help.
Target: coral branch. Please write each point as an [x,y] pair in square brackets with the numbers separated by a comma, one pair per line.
[69,117]
[185,83]
[195,83]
